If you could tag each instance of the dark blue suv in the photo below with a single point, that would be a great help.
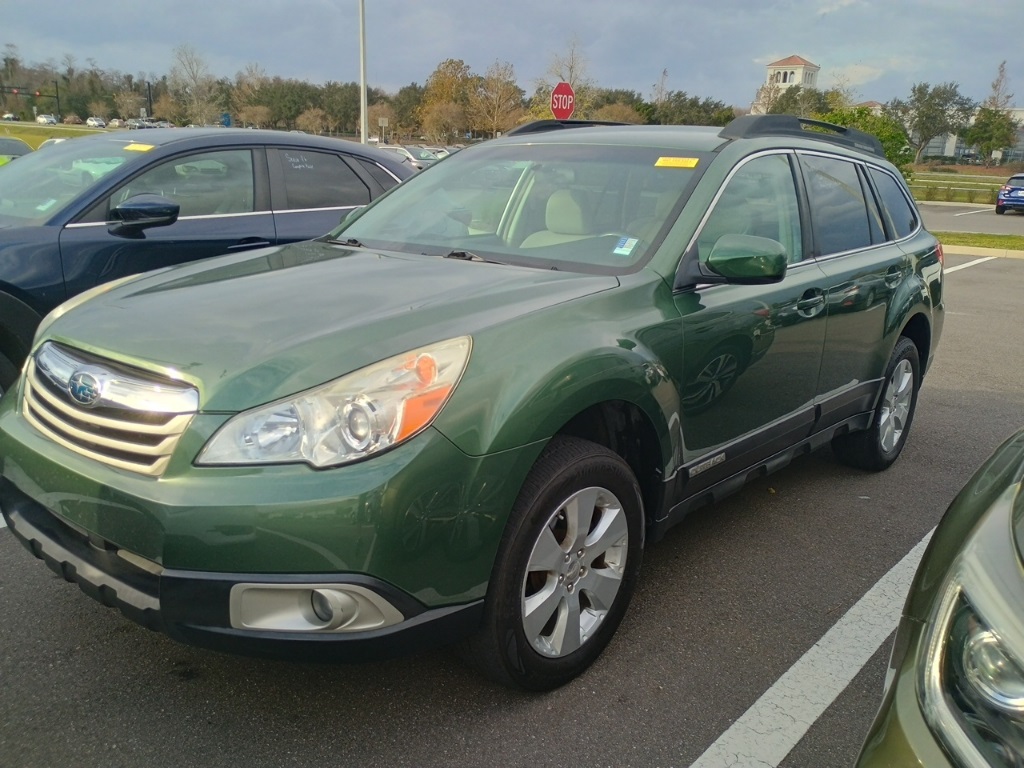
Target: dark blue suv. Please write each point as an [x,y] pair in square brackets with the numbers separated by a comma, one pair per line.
[1011,195]
[97,208]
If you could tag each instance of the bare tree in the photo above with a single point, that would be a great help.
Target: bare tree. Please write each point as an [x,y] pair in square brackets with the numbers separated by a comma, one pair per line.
[192,86]
[571,68]
[1000,98]
[127,103]
[497,103]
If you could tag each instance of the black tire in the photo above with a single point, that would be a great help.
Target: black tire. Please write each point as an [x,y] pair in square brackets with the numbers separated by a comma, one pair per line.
[1000,210]
[594,572]
[877,447]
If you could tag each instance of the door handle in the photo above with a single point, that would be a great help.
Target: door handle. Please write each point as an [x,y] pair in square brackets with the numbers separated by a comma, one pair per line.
[811,303]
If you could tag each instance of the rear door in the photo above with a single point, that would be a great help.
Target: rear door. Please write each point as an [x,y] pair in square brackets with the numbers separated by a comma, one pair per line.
[313,189]
[865,270]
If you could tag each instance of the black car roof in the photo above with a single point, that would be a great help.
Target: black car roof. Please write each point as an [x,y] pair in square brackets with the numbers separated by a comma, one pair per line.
[183,138]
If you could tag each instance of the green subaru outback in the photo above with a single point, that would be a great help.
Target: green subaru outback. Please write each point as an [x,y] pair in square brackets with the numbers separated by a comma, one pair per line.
[462,414]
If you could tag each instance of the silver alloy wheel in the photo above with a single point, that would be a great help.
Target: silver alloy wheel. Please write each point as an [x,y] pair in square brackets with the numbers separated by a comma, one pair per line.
[574,572]
[899,393]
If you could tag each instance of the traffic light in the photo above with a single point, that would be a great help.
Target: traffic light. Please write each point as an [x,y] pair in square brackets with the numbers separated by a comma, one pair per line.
[38,93]
[14,91]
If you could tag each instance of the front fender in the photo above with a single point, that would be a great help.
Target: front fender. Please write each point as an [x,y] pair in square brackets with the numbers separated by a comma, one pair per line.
[528,379]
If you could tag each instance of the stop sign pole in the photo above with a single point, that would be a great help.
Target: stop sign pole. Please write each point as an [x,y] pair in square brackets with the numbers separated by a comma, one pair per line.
[563,101]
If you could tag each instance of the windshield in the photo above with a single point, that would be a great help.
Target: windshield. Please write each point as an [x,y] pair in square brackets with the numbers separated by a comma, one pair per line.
[13,147]
[585,208]
[41,184]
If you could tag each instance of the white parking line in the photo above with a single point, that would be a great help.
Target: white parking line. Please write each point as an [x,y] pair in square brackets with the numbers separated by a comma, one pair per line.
[765,733]
[971,213]
[969,264]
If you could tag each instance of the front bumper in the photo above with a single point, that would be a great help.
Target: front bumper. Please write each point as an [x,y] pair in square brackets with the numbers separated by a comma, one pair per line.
[413,532]
[194,607]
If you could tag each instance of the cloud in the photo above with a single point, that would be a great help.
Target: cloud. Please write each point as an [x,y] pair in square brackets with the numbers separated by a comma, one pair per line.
[855,74]
[835,5]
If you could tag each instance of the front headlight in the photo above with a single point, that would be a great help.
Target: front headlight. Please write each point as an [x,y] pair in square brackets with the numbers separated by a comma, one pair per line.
[347,419]
[971,687]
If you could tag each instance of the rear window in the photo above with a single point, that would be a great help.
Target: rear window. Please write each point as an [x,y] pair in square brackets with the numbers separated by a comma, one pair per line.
[1016,181]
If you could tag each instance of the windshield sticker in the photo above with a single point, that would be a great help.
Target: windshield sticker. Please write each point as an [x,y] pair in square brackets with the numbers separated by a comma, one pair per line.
[47,205]
[676,162]
[625,246]
[138,147]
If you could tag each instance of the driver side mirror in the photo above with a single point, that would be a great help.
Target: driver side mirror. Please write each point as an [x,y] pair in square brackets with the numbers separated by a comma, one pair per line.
[738,260]
[142,212]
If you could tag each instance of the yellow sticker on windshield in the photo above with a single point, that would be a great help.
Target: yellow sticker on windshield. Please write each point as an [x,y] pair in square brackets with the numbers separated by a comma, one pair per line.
[138,147]
[676,162]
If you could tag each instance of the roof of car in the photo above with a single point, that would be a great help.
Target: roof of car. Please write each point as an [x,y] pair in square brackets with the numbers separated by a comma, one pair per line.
[693,138]
[168,137]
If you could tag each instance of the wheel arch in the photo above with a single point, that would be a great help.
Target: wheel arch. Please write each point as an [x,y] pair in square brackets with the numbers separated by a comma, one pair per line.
[625,429]
[919,331]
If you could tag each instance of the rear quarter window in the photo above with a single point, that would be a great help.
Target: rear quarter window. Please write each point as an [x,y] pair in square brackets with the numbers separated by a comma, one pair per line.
[900,212]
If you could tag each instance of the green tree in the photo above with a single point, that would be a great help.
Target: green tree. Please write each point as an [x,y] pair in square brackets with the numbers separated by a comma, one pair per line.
[931,112]
[679,108]
[887,130]
[994,127]
[618,113]
[497,102]
[797,100]
[406,105]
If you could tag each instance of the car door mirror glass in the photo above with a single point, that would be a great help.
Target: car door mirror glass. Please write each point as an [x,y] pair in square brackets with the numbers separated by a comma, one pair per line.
[748,259]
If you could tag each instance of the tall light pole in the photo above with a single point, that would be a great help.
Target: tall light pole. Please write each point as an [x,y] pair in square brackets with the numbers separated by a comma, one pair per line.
[364,124]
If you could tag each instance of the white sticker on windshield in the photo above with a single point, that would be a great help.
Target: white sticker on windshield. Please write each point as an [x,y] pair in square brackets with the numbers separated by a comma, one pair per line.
[625,246]
[46,205]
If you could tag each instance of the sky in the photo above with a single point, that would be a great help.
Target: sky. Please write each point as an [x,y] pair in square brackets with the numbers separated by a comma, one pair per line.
[709,48]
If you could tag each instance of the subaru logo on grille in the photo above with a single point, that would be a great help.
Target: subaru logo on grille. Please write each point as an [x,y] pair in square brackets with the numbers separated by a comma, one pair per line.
[84,388]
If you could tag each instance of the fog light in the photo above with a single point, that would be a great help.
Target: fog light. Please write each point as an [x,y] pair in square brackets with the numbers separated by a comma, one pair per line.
[993,673]
[333,608]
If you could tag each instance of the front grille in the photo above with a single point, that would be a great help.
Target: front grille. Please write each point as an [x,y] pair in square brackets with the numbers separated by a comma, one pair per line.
[132,421]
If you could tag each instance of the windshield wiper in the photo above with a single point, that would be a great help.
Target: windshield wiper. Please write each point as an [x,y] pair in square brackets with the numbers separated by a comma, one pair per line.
[352,242]
[470,256]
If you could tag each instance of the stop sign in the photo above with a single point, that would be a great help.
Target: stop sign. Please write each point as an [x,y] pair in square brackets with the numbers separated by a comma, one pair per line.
[563,101]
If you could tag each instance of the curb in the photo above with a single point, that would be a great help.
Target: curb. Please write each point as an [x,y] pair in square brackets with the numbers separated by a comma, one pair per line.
[969,250]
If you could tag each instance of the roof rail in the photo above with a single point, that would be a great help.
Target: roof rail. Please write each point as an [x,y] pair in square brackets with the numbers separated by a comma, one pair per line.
[749,126]
[542,126]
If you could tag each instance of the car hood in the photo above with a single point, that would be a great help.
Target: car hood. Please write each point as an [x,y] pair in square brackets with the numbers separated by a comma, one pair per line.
[250,329]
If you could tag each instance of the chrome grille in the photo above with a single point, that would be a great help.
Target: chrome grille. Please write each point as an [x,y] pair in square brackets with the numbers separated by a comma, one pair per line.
[129,420]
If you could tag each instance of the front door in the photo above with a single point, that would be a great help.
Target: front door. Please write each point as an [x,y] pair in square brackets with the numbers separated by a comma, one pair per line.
[751,353]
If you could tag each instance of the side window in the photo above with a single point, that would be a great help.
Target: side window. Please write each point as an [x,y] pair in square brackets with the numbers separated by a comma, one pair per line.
[838,209]
[874,213]
[901,213]
[760,199]
[378,174]
[318,180]
[203,184]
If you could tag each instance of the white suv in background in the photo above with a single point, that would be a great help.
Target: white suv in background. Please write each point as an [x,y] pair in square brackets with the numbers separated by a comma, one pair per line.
[96,122]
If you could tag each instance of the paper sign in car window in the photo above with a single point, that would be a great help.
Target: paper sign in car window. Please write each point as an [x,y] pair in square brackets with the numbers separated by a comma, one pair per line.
[138,147]
[676,162]
[625,246]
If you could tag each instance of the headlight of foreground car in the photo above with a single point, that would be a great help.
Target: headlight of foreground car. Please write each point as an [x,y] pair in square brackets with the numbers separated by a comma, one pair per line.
[972,682]
[348,419]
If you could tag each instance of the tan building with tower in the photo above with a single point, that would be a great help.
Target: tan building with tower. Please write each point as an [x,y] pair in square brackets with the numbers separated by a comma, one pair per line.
[782,75]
